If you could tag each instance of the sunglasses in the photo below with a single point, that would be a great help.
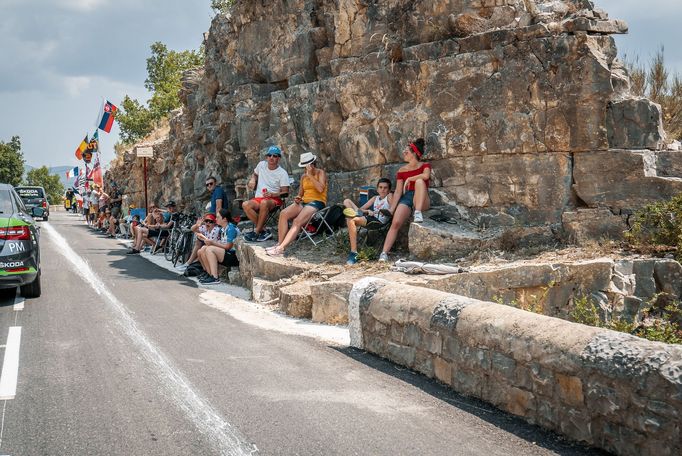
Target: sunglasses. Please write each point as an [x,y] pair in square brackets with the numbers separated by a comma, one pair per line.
[209,222]
[272,155]
[210,184]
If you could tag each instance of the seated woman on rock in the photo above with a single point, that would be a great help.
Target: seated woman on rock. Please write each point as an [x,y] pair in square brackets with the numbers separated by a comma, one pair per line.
[220,251]
[312,197]
[411,192]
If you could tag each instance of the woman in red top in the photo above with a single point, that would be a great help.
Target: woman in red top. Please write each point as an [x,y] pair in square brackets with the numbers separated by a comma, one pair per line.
[412,192]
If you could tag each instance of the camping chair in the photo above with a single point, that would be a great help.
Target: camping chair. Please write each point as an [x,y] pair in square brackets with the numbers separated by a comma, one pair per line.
[317,227]
[373,233]
[273,216]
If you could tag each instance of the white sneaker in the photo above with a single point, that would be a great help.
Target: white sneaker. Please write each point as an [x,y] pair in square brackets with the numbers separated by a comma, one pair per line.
[418,217]
[383,257]
[181,267]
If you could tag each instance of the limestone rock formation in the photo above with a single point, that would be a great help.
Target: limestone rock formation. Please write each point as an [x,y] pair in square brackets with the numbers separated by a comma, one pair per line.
[525,109]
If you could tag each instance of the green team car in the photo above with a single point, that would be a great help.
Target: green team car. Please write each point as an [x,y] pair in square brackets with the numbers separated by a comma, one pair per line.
[19,244]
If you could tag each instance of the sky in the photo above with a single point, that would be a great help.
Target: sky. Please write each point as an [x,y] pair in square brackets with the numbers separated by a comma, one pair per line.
[59,58]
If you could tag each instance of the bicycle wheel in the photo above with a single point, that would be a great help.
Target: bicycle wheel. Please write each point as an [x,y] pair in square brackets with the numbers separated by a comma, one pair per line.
[169,247]
[177,254]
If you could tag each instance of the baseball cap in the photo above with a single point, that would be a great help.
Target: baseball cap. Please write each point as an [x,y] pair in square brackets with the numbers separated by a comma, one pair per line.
[274,150]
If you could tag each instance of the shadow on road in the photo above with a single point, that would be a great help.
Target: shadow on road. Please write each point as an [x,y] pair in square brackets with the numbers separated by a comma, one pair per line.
[510,423]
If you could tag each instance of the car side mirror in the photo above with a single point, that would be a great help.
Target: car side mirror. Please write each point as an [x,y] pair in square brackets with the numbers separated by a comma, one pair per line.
[37,212]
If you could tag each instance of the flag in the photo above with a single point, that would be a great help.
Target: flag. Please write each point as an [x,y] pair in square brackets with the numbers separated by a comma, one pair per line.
[72,172]
[93,145]
[96,173]
[81,148]
[106,116]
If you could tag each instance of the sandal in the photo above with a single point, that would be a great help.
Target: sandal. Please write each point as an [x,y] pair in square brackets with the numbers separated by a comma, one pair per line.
[271,248]
[277,251]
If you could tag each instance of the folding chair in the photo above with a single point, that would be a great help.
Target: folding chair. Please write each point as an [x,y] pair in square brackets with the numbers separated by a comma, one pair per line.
[317,225]
[372,233]
[160,241]
[273,216]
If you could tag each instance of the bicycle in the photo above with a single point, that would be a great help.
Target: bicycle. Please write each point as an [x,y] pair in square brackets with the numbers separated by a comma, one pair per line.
[175,244]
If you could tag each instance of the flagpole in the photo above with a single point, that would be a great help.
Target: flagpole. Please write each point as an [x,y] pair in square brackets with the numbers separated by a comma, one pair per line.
[146,206]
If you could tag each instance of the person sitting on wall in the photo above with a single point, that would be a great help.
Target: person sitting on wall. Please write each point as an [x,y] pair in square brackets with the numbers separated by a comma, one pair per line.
[271,182]
[312,197]
[220,251]
[411,192]
[205,226]
[218,196]
[375,211]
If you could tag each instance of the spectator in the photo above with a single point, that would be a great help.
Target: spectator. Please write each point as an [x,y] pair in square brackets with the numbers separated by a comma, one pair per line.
[270,181]
[94,204]
[206,226]
[378,214]
[86,205]
[104,199]
[312,196]
[115,203]
[218,196]
[221,251]
[158,229]
[412,191]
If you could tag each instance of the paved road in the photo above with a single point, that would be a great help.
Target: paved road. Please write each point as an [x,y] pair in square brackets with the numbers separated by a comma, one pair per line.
[120,357]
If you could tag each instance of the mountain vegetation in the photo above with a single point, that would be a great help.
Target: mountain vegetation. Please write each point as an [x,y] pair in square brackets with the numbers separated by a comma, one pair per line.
[11,161]
[50,182]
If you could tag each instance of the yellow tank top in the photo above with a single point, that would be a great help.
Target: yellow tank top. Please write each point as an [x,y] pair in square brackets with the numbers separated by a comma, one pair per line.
[310,193]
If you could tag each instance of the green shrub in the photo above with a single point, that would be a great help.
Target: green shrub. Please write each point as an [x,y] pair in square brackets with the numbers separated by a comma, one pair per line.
[658,225]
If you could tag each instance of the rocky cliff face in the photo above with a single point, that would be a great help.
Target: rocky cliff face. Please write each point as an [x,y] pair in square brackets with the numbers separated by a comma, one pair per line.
[525,110]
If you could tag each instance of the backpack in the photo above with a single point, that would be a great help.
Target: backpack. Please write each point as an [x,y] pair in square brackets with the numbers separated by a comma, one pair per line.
[194,269]
[334,218]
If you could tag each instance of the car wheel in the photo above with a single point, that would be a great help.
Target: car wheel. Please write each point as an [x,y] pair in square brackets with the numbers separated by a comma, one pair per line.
[31,290]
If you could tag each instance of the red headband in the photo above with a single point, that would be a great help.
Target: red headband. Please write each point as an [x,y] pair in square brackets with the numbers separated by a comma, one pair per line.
[416,150]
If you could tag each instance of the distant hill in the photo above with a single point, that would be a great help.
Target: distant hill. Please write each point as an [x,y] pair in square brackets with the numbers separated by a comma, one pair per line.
[57,170]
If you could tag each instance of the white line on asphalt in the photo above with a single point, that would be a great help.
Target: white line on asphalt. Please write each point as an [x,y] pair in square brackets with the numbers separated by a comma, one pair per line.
[18,303]
[10,366]
[221,433]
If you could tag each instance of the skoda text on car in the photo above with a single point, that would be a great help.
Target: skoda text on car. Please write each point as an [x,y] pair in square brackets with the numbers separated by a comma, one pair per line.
[34,197]
[19,243]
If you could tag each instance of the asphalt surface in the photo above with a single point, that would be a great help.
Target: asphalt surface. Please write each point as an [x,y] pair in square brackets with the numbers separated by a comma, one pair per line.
[121,357]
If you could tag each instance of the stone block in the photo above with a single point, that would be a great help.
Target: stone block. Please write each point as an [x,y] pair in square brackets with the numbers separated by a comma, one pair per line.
[401,354]
[432,342]
[442,370]
[264,290]
[522,403]
[622,180]
[423,363]
[467,382]
[330,302]
[503,365]
[669,163]
[585,225]
[295,300]
[576,424]
[451,348]
[570,389]
[634,123]
[645,286]
[668,273]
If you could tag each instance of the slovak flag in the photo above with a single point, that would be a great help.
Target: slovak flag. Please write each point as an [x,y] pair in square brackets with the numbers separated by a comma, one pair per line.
[106,116]
[72,172]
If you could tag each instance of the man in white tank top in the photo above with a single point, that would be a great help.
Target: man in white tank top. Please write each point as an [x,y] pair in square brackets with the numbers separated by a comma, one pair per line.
[376,210]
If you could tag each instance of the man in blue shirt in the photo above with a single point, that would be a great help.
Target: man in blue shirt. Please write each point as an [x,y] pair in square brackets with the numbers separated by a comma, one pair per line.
[218,196]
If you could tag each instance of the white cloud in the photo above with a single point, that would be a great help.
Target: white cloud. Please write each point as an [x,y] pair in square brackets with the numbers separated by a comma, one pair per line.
[82,5]
[74,85]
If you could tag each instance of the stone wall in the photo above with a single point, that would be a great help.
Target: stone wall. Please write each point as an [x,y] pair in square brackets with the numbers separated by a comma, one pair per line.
[515,98]
[607,389]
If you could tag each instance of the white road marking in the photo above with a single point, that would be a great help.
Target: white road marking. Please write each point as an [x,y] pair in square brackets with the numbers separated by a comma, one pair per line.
[222,434]
[18,303]
[10,366]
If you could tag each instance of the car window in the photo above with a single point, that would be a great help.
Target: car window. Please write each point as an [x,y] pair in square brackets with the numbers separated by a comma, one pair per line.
[30,192]
[18,202]
[6,202]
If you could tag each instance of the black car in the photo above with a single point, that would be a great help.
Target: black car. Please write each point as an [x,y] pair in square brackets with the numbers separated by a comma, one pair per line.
[19,243]
[34,197]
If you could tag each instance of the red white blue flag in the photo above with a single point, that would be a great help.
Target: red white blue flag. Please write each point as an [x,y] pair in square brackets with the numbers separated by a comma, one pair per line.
[72,172]
[106,116]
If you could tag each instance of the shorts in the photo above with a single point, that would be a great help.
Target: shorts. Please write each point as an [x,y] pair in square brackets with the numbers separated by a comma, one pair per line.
[371,220]
[319,205]
[230,259]
[116,211]
[407,199]
[278,201]
[93,210]
[158,233]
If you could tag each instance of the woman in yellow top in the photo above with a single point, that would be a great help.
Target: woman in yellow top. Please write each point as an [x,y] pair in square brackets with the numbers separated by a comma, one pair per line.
[312,196]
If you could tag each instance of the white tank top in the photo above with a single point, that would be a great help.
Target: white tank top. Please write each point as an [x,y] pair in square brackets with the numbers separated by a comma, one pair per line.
[378,205]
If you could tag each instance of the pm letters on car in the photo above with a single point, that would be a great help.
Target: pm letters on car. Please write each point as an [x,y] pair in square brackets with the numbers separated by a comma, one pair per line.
[16,247]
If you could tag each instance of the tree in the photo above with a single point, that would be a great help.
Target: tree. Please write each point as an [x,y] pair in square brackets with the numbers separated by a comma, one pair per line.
[656,83]
[11,161]
[222,6]
[41,177]
[164,80]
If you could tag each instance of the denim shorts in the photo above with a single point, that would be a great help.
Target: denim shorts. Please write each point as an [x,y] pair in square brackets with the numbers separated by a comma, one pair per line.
[407,199]
[319,205]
